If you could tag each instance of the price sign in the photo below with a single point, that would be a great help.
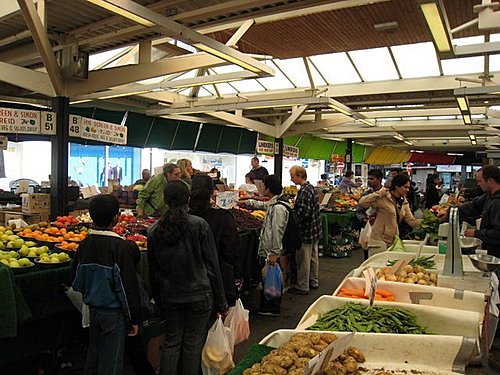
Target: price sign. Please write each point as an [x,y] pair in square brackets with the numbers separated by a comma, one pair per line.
[75,124]
[227,199]
[290,151]
[264,147]
[48,123]
[370,284]
[328,355]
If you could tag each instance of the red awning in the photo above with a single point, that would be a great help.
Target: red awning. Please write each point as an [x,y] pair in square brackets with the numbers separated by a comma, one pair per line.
[431,158]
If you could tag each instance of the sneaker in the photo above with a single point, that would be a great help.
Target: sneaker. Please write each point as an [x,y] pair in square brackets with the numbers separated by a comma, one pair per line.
[297,291]
[312,286]
[268,313]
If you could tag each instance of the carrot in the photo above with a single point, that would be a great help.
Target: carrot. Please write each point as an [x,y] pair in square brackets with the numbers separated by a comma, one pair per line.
[385,293]
[354,292]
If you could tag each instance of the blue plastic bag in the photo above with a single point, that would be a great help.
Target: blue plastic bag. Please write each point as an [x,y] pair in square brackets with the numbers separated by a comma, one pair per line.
[273,284]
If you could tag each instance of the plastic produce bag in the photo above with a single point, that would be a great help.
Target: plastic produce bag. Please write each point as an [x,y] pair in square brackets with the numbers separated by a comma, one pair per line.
[237,321]
[397,245]
[273,282]
[217,358]
[76,299]
[364,235]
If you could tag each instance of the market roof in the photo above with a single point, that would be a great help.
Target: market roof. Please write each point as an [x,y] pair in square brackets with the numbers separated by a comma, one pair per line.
[361,69]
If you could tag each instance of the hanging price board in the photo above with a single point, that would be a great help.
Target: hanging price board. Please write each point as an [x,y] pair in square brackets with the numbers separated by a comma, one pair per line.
[227,199]
[81,127]
[290,151]
[265,147]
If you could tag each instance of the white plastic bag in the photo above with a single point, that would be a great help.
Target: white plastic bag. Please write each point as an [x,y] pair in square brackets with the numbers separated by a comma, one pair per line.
[444,199]
[217,357]
[76,299]
[237,321]
[364,235]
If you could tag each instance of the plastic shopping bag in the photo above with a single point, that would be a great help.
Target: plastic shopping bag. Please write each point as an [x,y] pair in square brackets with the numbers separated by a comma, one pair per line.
[397,245]
[237,321]
[364,235]
[217,358]
[273,282]
[76,299]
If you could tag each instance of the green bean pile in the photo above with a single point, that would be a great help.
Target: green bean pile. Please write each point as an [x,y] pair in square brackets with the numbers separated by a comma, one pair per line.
[426,262]
[355,317]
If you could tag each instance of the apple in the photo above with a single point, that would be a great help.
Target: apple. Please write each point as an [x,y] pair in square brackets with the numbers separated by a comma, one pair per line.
[24,251]
[63,257]
[31,254]
[14,263]
[55,260]
[4,237]
[13,254]
[19,242]
[30,243]
[41,250]
[24,262]
[2,228]
[4,261]
[9,232]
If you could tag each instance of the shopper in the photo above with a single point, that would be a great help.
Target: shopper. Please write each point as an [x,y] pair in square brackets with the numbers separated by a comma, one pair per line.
[258,171]
[105,274]
[347,183]
[150,200]
[146,175]
[432,191]
[185,280]
[393,172]
[186,167]
[225,234]
[307,207]
[392,208]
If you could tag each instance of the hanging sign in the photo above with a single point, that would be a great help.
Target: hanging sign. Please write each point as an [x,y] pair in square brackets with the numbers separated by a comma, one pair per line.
[336,158]
[96,130]
[265,147]
[290,151]
[340,165]
[48,123]
[20,121]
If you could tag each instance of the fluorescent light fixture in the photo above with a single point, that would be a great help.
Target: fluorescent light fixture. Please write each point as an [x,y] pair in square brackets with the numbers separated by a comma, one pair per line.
[473,142]
[122,12]
[81,101]
[472,137]
[435,17]
[467,119]
[463,103]
[399,137]
[417,151]
[454,154]
[226,57]
[339,109]
[121,94]
[366,122]
[409,143]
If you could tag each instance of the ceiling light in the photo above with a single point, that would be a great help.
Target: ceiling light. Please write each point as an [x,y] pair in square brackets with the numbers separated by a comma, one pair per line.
[473,142]
[472,137]
[122,12]
[417,151]
[339,109]
[463,103]
[467,119]
[81,101]
[399,137]
[366,122]
[409,143]
[454,154]
[437,22]
[226,57]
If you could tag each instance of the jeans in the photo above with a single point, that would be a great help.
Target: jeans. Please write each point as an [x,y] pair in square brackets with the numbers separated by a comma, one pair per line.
[185,335]
[107,337]
[308,265]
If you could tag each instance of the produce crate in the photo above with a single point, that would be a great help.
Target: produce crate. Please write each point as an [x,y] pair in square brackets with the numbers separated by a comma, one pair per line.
[437,320]
[424,295]
[443,355]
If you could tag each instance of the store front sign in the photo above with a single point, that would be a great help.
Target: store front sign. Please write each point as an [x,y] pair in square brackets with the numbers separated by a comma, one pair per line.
[265,147]
[96,130]
[290,151]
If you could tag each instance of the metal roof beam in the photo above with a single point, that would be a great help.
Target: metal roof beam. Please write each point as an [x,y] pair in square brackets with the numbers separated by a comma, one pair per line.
[307,127]
[42,43]
[292,119]
[27,78]
[244,122]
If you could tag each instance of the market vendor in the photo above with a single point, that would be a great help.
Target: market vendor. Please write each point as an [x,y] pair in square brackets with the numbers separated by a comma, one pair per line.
[487,206]
[146,175]
[347,182]
[258,171]
[392,208]
[249,186]
[150,200]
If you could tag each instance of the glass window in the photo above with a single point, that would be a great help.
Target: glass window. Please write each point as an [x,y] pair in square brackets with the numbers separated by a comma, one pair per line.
[469,40]
[374,64]
[226,69]
[416,60]
[336,68]
[495,38]
[101,57]
[247,85]
[463,65]
[295,70]
[495,63]
[225,88]
[278,82]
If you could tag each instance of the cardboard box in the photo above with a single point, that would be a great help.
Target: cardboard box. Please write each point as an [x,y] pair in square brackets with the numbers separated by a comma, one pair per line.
[28,218]
[35,203]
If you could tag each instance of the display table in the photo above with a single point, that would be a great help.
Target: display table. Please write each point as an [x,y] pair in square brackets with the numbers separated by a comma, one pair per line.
[337,224]
[341,219]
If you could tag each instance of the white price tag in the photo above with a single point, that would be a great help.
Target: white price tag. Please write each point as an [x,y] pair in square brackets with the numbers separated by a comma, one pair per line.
[370,284]
[328,355]
[227,199]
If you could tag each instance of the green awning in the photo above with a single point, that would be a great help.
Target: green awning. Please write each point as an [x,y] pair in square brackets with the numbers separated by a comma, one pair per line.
[185,135]
[317,148]
[218,138]
[138,126]
[162,133]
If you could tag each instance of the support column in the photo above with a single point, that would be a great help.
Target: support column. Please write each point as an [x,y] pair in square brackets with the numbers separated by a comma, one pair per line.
[60,157]
[348,155]
[278,158]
